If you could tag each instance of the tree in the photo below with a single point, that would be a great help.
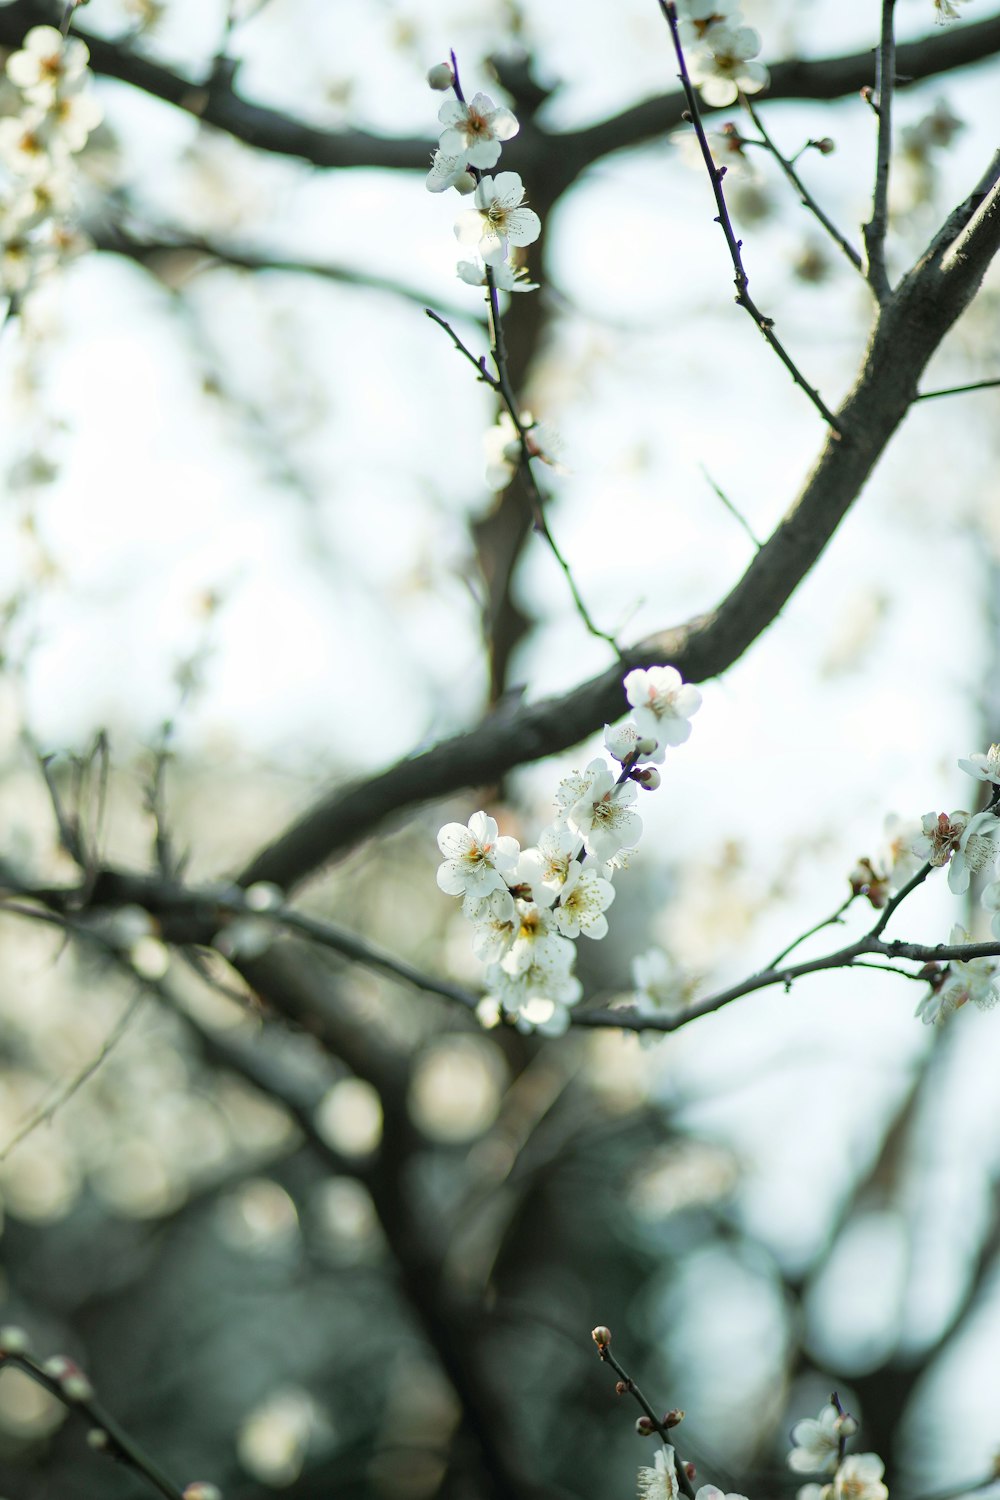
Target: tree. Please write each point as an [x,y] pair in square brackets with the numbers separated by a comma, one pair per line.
[305,1219]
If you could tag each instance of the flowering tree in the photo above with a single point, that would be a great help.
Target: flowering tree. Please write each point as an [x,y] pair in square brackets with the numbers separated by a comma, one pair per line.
[415,1147]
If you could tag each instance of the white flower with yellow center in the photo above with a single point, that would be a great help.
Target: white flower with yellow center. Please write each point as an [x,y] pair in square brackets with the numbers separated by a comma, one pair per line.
[476,858]
[475,130]
[584,899]
[499,220]
[723,70]
[860,1478]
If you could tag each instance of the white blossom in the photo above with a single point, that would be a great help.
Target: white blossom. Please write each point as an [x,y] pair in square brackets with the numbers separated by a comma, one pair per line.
[499,220]
[624,742]
[506,278]
[947,10]
[723,70]
[712,1492]
[816,1443]
[984,767]
[966,979]
[658,982]
[537,943]
[940,836]
[697,17]
[502,443]
[860,1478]
[584,899]
[601,815]
[475,857]
[546,867]
[476,129]
[662,703]
[540,992]
[660,1481]
[48,64]
[976,850]
[449,171]
[495,921]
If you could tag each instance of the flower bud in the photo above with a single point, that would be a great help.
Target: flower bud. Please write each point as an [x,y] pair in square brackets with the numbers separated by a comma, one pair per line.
[13,1340]
[825,146]
[601,1336]
[73,1382]
[440,77]
[200,1489]
[846,1425]
[465,184]
[690,1471]
[644,1427]
[648,777]
[674,1417]
[98,1439]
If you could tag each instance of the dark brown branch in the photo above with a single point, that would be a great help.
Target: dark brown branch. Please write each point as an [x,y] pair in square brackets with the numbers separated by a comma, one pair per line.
[214,100]
[906,332]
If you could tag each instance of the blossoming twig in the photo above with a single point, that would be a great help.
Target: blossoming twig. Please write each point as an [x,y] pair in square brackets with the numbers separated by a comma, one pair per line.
[806,197]
[875,229]
[626,1385]
[743,298]
[475,131]
[68,1384]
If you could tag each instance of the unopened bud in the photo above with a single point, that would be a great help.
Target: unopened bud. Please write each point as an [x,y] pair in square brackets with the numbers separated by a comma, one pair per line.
[601,1336]
[621,1388]
[846,1425]
[68,1375]
[647,745]
[648,777]
[644,1427]
[440,77]
[465,184]
[200,1489]
[98,1439]
[825,146]
[13,1340]
[673,1418]
[690,1471]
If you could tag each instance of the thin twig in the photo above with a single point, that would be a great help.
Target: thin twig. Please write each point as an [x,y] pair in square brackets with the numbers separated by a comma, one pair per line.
[836,917]
[65,1092]
[875,230]
[632,1389]
[743,298]
[805,196]
[119,1445]
[736,514]
[958,390]
[480,364]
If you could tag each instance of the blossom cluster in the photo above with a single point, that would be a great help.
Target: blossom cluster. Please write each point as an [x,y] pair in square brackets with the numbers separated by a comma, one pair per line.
[469,148]
[528,906]
[969,845]
[57,112]
[659,1481]
[721,64]
[818,1448]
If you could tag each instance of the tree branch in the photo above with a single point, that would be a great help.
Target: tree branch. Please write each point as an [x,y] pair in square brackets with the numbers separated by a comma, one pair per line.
[906,332]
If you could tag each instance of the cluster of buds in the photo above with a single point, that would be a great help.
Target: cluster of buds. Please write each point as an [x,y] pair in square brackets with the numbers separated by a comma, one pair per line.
[57,113]
[528,906]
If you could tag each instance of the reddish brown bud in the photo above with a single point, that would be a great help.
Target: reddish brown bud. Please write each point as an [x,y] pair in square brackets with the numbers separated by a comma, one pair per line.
[601,1336]
[621,1389]
[644,1427]
[674,1417]
[690,1471]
